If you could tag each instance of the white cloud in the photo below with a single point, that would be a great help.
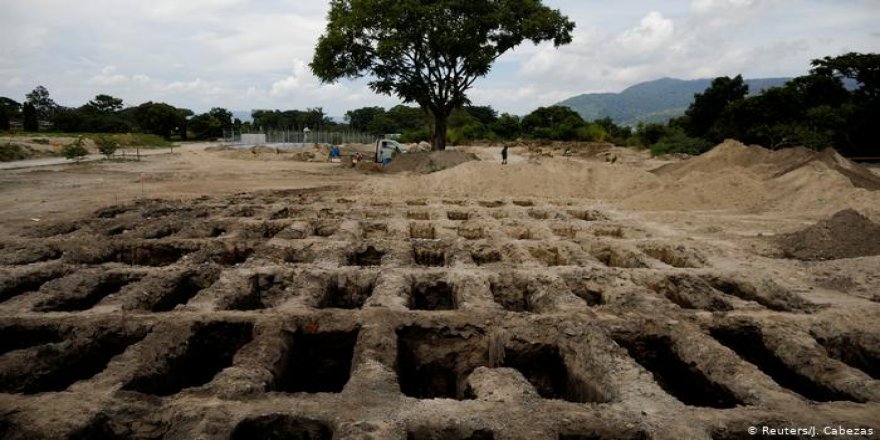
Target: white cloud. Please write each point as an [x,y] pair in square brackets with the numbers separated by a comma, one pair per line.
[242,55]
[652,32]
[716,6]
[300,77]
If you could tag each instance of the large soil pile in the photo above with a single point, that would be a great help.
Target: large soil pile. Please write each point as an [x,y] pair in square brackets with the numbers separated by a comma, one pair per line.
[734,176]
[428,162]
[731,177]
[771,163]
[847,234]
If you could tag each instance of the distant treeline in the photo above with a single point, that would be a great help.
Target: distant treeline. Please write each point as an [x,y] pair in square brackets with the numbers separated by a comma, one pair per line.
[813,110]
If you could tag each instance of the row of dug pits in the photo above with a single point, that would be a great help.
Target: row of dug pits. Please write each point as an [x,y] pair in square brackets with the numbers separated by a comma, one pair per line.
[332,368]
[215,287]
[301,315]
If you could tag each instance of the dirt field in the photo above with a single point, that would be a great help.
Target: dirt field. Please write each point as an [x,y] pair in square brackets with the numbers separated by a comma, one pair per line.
[214,294]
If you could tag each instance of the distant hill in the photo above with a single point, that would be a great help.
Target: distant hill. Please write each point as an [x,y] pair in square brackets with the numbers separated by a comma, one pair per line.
[652,101]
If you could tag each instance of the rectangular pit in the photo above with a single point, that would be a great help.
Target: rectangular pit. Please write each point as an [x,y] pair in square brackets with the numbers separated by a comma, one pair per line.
[471,232]
[435,363]
[326,228]
[281,426]
[418,215]
[184,288]
[483,255]
[491,203]
[58,369]
[432,295]
[155,255]
[423,231]
[374,230]
[262,291]
[75,301]
[449,433]
[30,282]
[209,350]
[748,343]
[549,256]
[585,291]
[588,215]
[16,337]
[458,215]
[429,254]
[346,293]
[542,366]
[852,349]
[678,378]
[510,296]
[369,256]
[538,214]
[317,362]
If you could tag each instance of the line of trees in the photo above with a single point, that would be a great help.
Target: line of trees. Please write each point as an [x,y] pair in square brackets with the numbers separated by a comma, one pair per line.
[816,111]
[470,123]
[837,104]
[107,114]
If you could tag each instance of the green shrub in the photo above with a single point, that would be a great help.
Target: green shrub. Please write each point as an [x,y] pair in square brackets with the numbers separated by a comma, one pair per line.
[75,150]
[106,145]
[592,133]
[680,143]
[411,136]
[10,152]
[140,140]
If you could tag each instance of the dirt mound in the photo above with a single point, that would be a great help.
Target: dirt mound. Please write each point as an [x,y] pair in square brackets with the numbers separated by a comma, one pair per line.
[734,176]
[771,164]
[847,234]
[555,176]
[428,162]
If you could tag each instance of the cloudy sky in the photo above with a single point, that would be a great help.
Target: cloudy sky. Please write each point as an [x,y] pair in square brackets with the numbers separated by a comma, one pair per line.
[243,54]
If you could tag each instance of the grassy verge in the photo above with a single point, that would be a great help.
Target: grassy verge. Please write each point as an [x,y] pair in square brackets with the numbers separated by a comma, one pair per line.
[124,140]
[10,152]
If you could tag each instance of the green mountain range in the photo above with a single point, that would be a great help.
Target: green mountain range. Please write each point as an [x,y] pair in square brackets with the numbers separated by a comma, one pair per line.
[652,101]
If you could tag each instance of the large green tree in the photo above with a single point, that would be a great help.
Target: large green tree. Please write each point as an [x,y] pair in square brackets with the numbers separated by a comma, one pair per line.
[105,104]
[707,107]
[29,117]
[9,111]
[42,103]
[429,51]
[4,118]
[554,122]
[359,119]
[159,118]
[860,125]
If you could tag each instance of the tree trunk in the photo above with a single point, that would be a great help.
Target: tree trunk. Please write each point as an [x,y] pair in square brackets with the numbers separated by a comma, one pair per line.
[438,143]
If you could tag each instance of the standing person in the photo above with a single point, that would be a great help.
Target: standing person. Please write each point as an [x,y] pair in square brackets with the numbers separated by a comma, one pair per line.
[504,155]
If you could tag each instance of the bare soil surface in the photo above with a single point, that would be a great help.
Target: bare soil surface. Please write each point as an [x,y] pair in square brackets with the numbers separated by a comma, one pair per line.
[428,162]
[206,294]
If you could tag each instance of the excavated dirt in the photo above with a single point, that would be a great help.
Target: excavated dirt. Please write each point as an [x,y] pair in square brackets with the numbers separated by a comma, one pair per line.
[308,315]
[847,234]
[552,298]
[428,162]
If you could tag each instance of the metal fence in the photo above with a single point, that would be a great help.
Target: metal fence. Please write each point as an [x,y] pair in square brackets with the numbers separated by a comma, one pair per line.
[301,137]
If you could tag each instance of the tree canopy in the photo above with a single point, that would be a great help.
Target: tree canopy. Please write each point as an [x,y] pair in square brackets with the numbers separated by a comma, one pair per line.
[835,105]
[105,104]
[42,103]
[707,106]
[429,52]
